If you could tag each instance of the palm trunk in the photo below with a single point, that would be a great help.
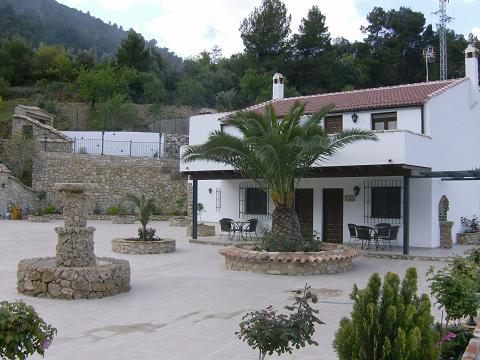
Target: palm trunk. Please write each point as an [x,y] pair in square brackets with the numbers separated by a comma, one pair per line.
[285,222]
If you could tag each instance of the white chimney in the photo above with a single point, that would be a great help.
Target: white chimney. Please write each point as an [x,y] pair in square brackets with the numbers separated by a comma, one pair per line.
[471,64]
[278,86]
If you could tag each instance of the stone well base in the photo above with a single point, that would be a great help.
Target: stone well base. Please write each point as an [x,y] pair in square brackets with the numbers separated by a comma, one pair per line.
[179,221]
[468,238]
[334,259]
[202,230]
[123,219]
[137,247]
[38,219]
[41,277]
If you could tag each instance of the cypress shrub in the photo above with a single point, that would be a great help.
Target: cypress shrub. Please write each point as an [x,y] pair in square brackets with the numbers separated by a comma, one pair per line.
[388,322]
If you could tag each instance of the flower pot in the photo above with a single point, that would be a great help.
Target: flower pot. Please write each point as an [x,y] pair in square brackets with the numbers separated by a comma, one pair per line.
[16,213]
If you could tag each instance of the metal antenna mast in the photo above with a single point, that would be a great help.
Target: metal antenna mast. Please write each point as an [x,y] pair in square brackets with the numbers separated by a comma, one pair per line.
[442,34]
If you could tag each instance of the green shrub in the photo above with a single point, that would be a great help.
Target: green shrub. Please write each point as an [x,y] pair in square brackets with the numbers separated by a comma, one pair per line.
[22,331]
[269,332]
[454,342]
[388,322]
[113,210]
[49,210]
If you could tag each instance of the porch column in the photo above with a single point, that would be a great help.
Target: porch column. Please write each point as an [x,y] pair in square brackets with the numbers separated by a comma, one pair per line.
[194,208]
[406,215]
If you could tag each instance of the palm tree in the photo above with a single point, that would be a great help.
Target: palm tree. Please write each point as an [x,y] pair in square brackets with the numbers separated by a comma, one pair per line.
[146,208]
[276,153]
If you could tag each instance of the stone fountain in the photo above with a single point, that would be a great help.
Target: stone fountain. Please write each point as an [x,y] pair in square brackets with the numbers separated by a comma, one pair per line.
[75,272]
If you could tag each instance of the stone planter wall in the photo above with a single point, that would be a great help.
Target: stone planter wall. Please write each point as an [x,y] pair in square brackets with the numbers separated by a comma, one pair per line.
[129,219]
[41,277]
[137,247]
[202,230]
[179,221]
[446,234]
[334,259]
[468,238]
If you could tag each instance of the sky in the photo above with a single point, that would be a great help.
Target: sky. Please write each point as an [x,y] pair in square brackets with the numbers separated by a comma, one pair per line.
[188,27]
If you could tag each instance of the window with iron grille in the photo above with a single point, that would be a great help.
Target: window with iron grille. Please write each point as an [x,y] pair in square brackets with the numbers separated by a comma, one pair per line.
[253,201]
[383,201]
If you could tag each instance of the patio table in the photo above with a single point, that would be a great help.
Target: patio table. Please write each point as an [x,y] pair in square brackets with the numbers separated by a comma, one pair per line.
[240,227]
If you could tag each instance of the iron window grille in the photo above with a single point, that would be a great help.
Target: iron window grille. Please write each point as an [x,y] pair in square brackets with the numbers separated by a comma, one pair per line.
[253,202]
[383,201]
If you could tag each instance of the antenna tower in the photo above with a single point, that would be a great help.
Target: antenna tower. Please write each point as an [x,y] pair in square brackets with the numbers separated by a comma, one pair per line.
[443,19]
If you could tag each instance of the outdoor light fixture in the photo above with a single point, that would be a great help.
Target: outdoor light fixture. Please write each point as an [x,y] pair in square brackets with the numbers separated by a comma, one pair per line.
[356,190]
[210,190]
[354,117]
[4,186]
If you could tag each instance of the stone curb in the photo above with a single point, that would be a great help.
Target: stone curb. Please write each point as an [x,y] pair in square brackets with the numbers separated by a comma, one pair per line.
[408,257]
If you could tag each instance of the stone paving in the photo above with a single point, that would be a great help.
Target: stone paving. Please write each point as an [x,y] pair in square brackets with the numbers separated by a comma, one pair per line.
[182,305]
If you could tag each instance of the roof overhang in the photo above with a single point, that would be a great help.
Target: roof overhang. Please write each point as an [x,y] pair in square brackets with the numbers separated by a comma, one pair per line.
[322,172]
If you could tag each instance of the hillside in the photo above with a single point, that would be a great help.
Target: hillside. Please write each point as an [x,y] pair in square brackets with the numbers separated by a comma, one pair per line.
[47,21]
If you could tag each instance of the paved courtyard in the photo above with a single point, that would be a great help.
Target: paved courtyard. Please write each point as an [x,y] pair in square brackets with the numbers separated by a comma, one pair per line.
[182,305]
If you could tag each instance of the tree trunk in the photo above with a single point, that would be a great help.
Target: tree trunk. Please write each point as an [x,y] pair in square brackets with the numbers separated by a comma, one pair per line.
[285,222]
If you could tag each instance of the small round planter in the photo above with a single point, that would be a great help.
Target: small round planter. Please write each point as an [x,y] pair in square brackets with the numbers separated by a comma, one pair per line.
[137,247]
[202,230]
[179,221]
[129,219]
[38,219]
[331,259]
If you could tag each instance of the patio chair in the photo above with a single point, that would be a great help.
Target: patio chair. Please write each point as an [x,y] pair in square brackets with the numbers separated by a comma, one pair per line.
[366,234]
[352,229]
[226,228]
[390,237]
[251,228]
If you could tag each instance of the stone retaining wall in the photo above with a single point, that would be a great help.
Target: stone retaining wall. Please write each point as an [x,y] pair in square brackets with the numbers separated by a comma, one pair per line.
[115,176]
[14,191]
[468,238]
[202,230]
[137,247]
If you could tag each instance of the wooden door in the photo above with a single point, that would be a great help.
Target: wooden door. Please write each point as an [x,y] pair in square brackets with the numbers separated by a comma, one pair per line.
[304,209]
[333,215]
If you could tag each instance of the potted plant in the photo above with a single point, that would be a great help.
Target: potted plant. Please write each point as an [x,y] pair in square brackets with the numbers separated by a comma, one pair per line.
[15,210]
[22,331]
[146,242]
[178,217]
[272,332]
[203,230]
[470,231]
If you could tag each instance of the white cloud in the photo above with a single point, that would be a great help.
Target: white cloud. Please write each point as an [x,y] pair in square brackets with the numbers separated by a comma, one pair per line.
[190,26]
[476,31]
[187,26]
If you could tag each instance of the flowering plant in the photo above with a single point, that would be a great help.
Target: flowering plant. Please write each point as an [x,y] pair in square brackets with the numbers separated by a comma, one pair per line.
[147,234]
[22,331]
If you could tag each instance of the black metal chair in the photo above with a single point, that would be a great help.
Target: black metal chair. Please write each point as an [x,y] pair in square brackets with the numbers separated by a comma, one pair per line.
[352,229]
[226,228]
[390,236]
[366,234]
[251,228]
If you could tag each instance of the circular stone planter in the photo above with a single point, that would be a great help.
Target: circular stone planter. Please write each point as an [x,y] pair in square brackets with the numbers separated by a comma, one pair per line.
[138,247]
[129,219]
[331,259]
[42,277]
[38,219]
[202,230]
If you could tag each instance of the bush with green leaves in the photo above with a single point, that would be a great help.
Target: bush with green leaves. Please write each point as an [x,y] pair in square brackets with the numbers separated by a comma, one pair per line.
[271,332]
[454,287]
[22,331]
[388,322]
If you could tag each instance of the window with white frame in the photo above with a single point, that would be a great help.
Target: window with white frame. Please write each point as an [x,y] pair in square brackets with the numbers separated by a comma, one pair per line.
[384,121]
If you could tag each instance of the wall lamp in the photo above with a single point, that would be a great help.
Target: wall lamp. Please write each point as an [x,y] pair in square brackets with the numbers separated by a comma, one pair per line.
[355,117]
[356,190]
[210,190]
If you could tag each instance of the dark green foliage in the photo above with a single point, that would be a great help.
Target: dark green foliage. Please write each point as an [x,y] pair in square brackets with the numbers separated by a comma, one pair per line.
[133,53]
[272,332]
[22,331]
[146,208]
[389,322]
[455,342]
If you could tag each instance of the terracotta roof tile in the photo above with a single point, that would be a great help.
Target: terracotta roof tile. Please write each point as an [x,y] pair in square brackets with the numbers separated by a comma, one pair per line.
[367,99]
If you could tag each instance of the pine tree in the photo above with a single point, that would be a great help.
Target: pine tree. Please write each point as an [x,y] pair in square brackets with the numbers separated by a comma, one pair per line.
[388,322]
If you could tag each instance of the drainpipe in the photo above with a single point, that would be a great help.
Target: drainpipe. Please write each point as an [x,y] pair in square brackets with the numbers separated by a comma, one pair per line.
[406,215]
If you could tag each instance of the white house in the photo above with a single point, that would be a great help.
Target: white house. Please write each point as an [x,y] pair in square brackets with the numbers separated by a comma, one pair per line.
[426,132]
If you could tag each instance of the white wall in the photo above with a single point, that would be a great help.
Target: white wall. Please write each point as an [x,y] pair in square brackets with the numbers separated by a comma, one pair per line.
[209,199]
[407,119]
